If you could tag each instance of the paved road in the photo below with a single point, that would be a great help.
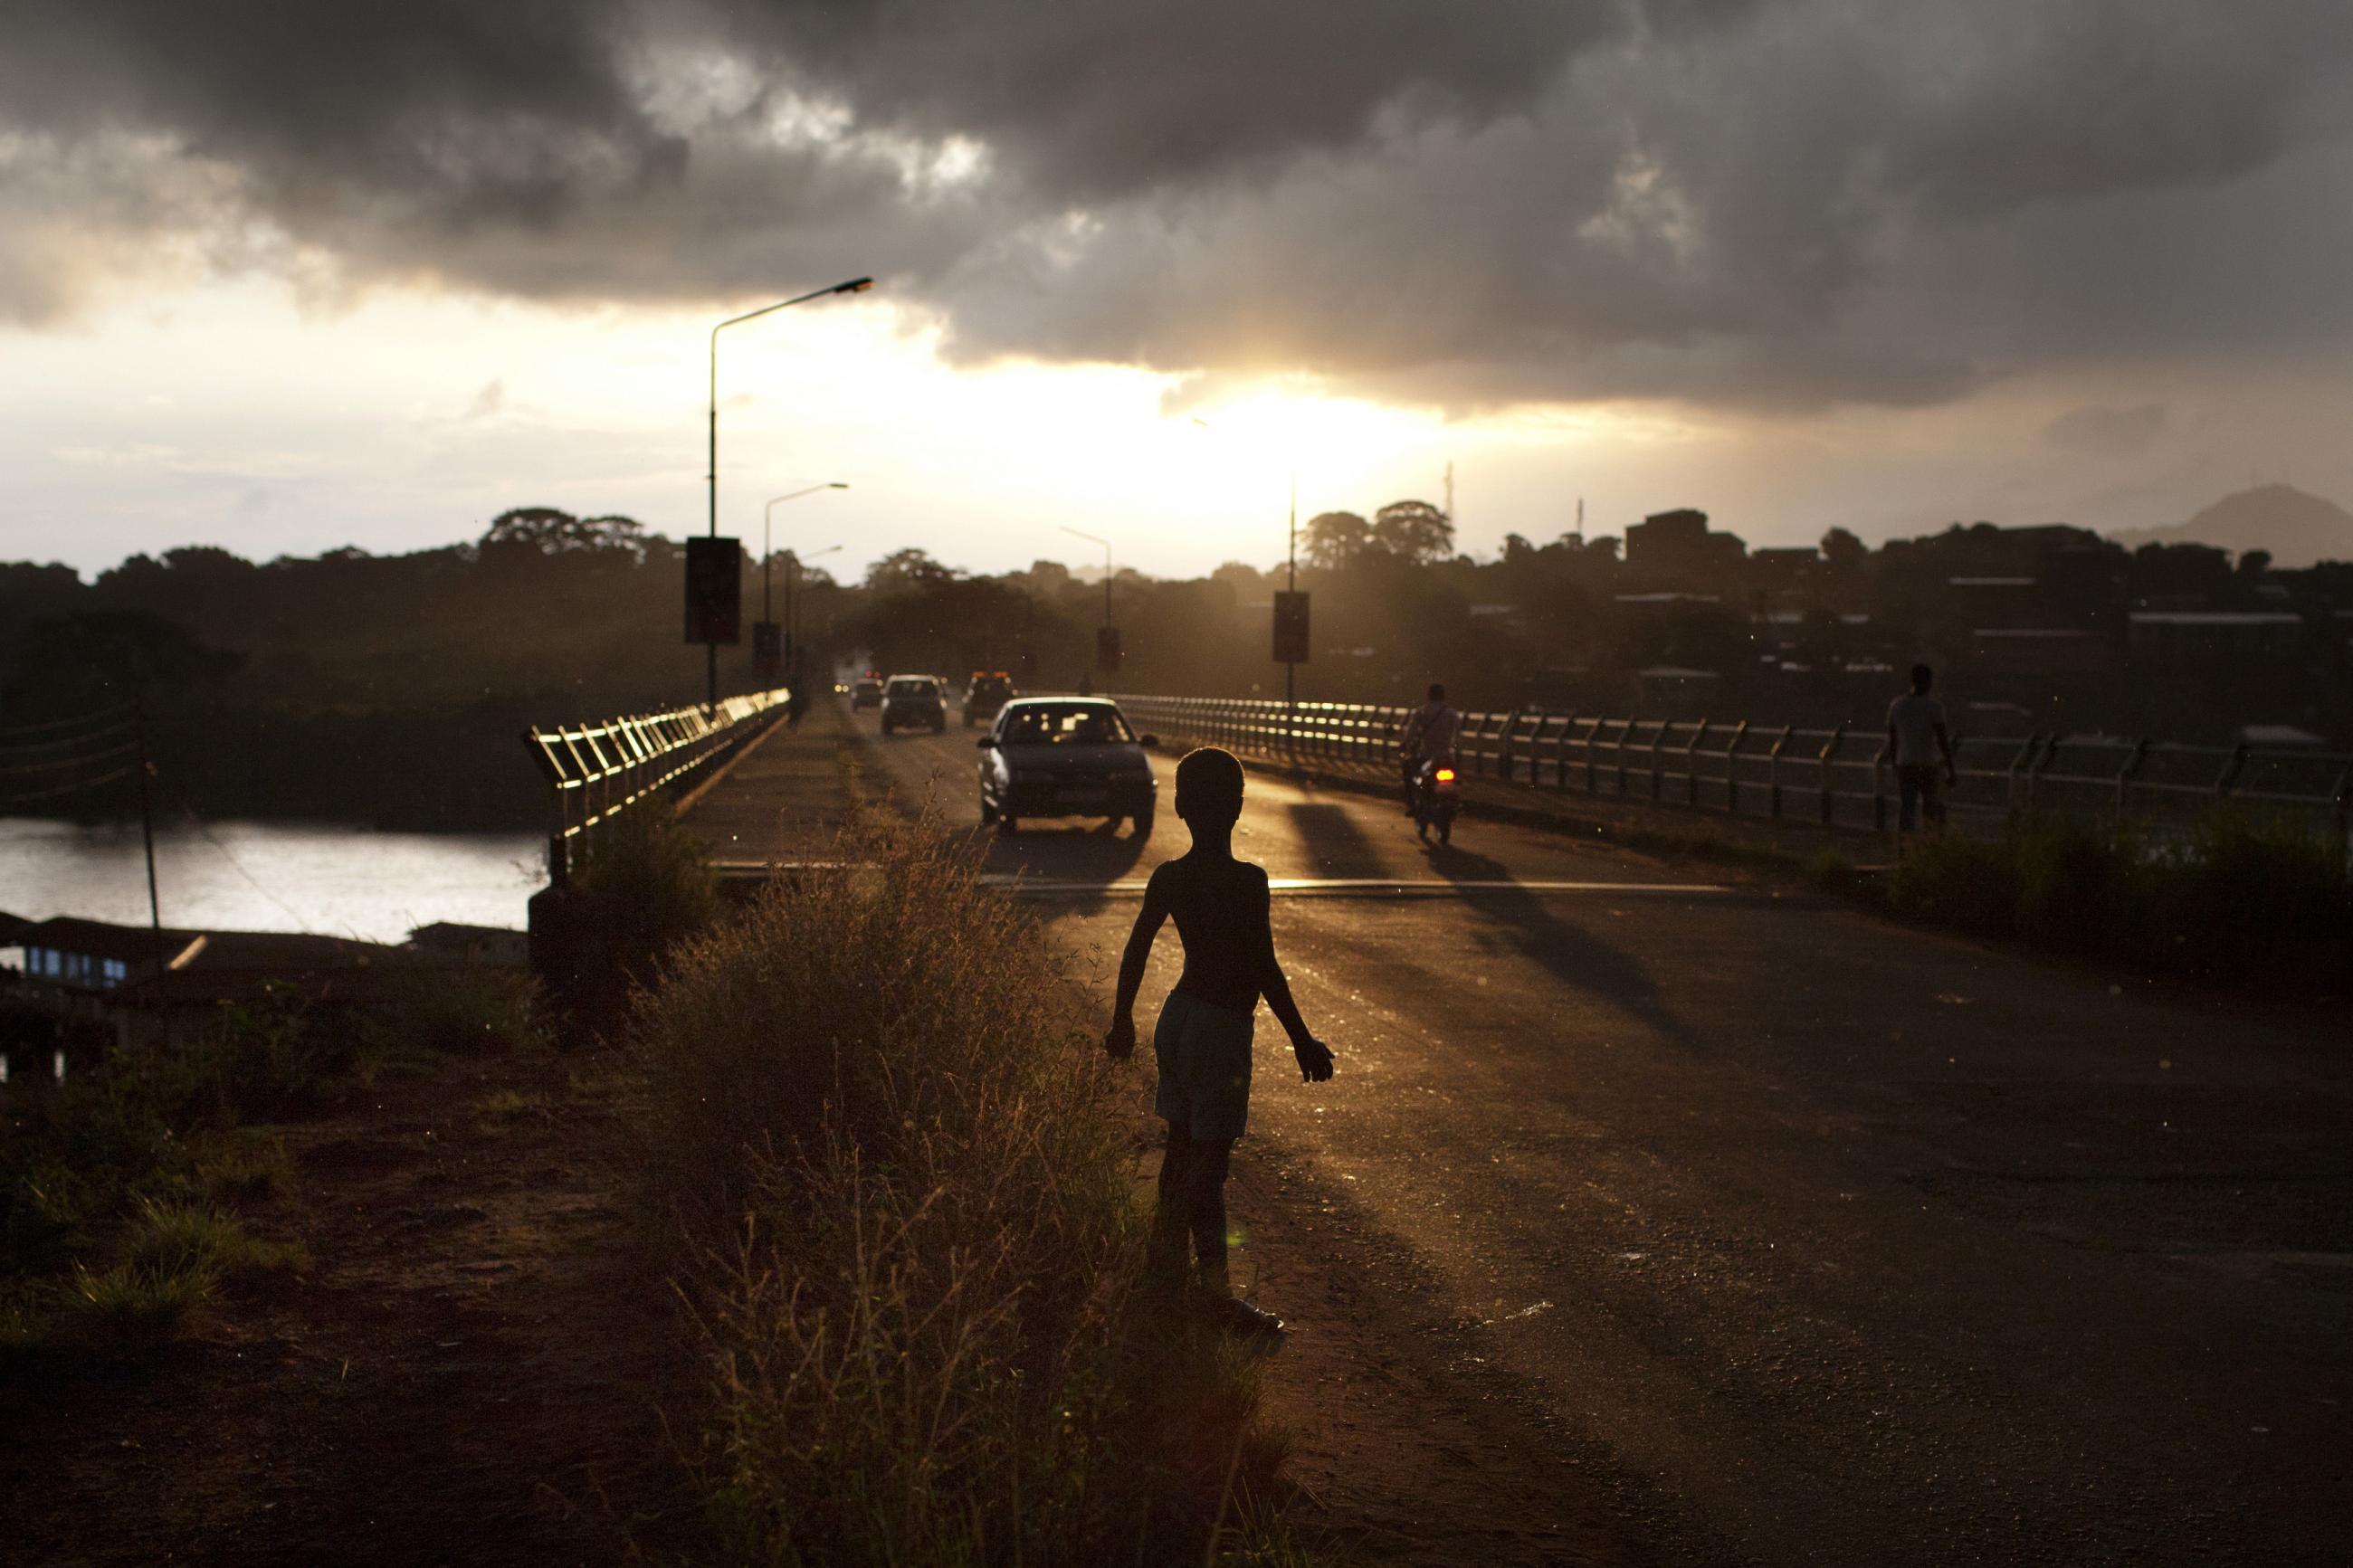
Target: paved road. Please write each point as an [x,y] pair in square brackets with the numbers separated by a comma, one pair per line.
[1789,1236]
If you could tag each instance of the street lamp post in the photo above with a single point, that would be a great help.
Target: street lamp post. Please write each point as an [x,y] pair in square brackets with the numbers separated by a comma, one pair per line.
[1091,539]
[1106,550]
[854,286]
[767,520]
[792,570]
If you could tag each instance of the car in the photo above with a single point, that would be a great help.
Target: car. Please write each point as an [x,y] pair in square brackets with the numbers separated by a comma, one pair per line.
[1065,756]
[913,701]
[865,692]
[988,692]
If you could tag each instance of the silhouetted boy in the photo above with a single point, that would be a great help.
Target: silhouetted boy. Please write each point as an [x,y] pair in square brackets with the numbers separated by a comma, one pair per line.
[1203,1040]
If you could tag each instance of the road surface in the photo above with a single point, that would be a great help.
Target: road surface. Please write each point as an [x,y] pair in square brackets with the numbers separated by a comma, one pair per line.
[1661,1220]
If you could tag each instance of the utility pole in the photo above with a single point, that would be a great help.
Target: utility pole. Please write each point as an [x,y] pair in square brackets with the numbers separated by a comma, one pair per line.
[1449,490]
[1291,667]
[147,821]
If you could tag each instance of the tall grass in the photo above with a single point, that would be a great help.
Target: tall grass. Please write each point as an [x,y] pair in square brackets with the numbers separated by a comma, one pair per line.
[657,875]
[2235,895]
[900,1201]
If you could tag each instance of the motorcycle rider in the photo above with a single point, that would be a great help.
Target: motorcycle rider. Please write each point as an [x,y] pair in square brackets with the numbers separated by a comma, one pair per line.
[1431,733]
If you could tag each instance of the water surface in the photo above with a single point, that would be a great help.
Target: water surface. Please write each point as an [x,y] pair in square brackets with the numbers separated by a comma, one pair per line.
[269,876]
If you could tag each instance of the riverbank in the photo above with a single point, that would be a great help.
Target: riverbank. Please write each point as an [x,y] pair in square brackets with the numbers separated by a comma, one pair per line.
[464,1362]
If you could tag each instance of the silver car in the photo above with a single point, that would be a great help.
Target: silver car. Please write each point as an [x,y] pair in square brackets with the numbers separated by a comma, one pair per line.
[1065,756]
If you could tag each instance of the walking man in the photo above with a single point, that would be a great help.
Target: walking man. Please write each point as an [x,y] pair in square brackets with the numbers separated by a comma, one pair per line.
[1915,738]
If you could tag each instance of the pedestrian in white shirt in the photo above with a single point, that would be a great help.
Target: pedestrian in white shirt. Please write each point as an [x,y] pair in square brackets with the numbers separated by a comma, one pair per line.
[1915,736]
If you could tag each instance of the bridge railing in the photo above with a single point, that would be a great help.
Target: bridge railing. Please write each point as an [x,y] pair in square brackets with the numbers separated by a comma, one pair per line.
[596,771]
[1836,777]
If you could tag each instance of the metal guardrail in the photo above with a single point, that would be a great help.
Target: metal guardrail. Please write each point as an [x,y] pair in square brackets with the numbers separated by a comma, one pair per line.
[1837,778]
[596,771]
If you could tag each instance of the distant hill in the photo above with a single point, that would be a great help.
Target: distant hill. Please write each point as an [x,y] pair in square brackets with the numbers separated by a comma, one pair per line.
[2296,528]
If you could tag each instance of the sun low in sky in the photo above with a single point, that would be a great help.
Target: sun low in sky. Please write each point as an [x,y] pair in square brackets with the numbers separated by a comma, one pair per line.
[284,278]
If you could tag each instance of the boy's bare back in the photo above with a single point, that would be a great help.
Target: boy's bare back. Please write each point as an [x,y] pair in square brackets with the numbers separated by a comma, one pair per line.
[1222,912]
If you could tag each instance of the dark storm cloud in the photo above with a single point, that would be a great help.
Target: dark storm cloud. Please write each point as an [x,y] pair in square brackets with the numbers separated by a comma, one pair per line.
[1774,202]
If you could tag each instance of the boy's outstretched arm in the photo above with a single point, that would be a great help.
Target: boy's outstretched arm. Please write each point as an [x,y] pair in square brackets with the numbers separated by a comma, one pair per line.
[1314,1056]
[1121,1041]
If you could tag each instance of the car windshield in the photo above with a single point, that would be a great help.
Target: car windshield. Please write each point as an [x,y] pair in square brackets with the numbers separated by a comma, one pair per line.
[1067,724]
[913,688]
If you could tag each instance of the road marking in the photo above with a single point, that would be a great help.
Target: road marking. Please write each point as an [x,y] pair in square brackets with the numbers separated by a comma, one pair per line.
[1282,886]
[1349,887]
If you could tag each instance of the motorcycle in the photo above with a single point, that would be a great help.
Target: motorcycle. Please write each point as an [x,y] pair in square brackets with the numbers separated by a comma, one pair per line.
[1437,799]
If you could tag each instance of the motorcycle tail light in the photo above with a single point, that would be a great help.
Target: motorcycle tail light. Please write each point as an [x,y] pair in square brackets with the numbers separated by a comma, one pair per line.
[1446,775]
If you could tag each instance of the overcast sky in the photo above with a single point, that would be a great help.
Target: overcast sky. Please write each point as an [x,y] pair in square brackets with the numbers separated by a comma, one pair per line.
[285,275]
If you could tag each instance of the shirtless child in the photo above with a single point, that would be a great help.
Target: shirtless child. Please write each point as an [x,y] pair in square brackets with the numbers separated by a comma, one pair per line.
[1203,1040]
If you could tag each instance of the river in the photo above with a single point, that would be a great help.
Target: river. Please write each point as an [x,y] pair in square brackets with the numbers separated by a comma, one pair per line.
[271,876]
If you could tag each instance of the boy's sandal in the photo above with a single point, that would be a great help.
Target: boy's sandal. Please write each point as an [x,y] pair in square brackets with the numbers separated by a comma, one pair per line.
[1237,1317]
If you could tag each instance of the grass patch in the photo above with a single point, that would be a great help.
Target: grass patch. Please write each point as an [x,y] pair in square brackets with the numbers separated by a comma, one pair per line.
[2235,896]
[469,1010]
[131,1308]
[242,1168]
[169,1237]
[120,1191]
[898,1195]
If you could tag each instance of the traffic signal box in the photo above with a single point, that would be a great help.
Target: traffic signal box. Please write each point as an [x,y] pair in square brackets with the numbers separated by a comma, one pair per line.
[714,571]
[1290,627]
[1107,649]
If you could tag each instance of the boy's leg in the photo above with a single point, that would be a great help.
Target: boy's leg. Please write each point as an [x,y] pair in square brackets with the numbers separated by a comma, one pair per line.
[1205,1208]
[1907,797]
[1171,1213]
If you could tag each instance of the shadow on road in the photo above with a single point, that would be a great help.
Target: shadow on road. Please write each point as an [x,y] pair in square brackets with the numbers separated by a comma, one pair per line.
[1074,852]
[1335,845]
[1567,950]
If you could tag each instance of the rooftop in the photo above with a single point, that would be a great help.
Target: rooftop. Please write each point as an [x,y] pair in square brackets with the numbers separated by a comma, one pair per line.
[2216,618]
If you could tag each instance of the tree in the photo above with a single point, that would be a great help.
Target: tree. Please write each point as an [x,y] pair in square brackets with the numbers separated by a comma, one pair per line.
[1336,538]
[904,570]
[552,531]
[1843,551]
[1414,531]
[1241,575]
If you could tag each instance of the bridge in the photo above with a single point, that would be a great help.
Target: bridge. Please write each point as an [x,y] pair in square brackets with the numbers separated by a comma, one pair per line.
[1786,1230]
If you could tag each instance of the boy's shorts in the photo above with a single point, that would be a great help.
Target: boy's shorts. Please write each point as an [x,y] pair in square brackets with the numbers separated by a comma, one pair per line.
[1204,1051]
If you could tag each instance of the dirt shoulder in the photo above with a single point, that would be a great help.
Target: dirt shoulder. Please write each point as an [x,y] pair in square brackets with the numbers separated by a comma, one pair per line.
[467,1372]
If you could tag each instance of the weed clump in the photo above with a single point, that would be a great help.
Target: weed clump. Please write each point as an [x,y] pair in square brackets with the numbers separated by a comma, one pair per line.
[2234,896]
[657,880]
[901,1207]
[128,1307]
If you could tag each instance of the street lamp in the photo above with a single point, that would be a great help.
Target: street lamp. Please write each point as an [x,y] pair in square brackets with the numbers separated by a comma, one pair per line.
[767,517]
[1106,547]
[1106,645]
[854,286]
[792,570]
